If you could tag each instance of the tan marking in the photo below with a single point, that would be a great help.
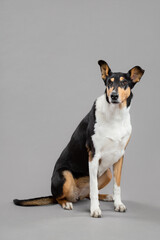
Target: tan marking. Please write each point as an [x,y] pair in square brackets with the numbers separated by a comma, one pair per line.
[90,157]
[127,142]
[102,196]
[109,91]
[38,201]
[69,188]
[136,74]
[112,79]
[104,179]
[105,197]
[100,160]
[83,183]
[121,78]
[117,169]
[123,104]
[104,70]
[124,93]
[79,188]
[63,203]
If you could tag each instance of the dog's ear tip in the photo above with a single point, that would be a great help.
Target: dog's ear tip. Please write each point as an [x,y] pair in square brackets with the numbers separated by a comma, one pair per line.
[141,70]
[137,68]
[100,62]
[140,67]
[136,73]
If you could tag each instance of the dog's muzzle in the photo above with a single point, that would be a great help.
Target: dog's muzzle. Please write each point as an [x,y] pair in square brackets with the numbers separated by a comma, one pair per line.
[114,97]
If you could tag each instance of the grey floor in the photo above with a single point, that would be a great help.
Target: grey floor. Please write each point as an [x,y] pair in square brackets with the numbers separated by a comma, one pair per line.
[141,221]
[49,80]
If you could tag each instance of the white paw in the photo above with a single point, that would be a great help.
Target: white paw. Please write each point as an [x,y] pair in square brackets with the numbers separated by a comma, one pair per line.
[119,207]
[67,206]
[96,213]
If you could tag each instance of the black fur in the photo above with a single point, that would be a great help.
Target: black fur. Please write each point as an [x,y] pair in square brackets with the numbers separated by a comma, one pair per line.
[35,201]
[75,156]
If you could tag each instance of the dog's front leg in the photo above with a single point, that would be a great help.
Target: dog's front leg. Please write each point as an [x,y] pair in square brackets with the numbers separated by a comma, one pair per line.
[93,171]
[118,205]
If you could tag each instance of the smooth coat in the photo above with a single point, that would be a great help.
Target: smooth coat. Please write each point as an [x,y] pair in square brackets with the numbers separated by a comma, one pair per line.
[98,142]
[111,132]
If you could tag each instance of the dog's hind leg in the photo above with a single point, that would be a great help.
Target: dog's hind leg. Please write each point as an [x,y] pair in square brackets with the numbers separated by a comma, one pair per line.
[65,204]
[67,189]
[105,197]
[64,189]
[104,179]
[83,186]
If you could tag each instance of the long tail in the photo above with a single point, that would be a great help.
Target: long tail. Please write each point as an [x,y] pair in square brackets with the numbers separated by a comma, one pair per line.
[35,201]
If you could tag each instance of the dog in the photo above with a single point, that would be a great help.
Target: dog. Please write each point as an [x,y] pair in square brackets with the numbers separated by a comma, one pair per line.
[97,144]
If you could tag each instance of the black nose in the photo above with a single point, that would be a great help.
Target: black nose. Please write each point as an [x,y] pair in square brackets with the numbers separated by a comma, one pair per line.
[114,96]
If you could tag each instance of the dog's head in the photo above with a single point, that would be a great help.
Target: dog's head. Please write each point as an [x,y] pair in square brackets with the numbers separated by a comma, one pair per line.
[119,85]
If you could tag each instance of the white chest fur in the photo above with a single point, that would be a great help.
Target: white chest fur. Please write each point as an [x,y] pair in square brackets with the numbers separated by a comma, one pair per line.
[112,131]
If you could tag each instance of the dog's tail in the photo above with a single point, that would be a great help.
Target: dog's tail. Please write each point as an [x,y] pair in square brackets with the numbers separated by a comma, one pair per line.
[35,201]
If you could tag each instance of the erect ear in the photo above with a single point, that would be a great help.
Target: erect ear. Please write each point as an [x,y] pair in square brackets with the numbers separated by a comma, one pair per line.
[105,70]
[136,73]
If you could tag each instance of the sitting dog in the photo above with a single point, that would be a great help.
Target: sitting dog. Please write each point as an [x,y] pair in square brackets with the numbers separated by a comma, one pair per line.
[98,143]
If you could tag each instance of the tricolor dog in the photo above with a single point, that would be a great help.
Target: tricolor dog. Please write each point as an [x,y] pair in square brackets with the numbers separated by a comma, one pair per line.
[97,144]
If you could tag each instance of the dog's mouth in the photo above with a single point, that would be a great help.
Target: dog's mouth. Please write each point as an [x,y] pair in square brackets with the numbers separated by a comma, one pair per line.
[115,101]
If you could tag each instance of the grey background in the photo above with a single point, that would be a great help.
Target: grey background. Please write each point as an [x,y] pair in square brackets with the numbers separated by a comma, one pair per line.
[49,80]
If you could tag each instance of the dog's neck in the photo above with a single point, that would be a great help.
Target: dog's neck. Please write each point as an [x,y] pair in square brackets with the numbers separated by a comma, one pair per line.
[112,111]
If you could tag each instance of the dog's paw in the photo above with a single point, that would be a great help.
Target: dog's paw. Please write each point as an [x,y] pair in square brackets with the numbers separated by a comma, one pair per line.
[119,207]
[67,205]
[96,213]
